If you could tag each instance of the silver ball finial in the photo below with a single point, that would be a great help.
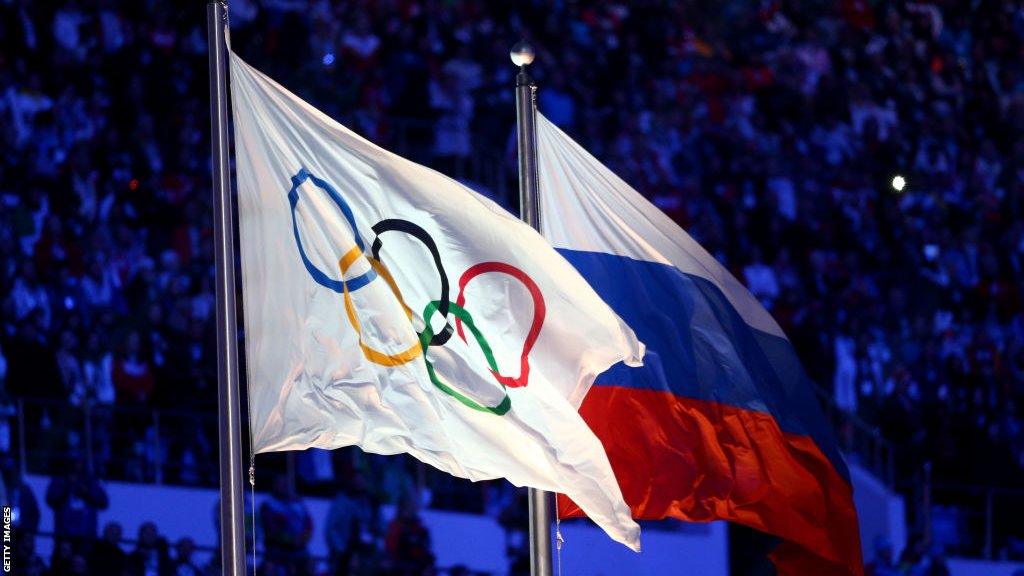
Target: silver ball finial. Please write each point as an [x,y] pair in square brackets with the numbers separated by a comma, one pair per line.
[522,54]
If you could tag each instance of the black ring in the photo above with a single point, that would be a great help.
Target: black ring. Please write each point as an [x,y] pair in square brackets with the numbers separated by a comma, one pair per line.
[398,225]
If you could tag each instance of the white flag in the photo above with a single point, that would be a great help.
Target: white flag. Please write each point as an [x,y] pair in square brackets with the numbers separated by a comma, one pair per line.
[389,307]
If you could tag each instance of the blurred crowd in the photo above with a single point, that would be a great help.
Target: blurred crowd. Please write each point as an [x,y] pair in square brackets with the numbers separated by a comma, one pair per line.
[859,165]
[361,538]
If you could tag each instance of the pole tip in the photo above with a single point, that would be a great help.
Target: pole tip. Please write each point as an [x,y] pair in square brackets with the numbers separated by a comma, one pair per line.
[522,54]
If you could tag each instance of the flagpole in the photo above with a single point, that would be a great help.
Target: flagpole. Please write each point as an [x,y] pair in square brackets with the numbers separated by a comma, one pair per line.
[232,504]
[529,209]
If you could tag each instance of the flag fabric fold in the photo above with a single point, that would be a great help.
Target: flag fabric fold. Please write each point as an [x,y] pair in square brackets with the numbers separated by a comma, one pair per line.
[721,422]
[390,307]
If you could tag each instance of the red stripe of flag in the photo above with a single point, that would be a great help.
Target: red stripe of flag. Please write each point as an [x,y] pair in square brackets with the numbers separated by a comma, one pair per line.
[700,461]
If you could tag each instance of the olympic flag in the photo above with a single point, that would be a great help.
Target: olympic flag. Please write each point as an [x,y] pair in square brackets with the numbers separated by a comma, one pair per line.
[357,335]
[720,422]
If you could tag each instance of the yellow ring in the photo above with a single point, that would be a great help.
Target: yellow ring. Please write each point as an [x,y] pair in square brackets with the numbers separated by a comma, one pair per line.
[376,356]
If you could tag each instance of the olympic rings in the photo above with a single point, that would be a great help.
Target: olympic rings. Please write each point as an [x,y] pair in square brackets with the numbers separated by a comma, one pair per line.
[427,337]
[322,279]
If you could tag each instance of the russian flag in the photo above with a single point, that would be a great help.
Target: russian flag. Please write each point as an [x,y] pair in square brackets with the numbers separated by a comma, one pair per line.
[721,422]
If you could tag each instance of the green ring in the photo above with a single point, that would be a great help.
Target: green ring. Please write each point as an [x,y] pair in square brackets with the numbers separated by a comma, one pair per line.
[428,332]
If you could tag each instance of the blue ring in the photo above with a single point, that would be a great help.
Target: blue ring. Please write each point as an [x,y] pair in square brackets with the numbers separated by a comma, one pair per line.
[321,278]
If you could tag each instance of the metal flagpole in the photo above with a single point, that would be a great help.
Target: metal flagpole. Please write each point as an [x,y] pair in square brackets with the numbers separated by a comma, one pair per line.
[526,124]
[232,502]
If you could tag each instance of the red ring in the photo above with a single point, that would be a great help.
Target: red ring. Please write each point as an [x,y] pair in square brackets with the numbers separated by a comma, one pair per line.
[539,311]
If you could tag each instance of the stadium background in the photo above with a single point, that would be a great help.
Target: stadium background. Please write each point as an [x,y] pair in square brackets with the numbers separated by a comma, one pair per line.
[772,131]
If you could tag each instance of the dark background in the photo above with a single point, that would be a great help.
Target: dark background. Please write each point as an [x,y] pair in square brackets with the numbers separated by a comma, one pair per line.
[771,131]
